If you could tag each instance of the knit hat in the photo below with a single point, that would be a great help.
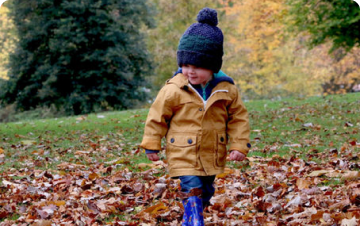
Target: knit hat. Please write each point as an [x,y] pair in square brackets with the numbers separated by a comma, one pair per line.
[202,43]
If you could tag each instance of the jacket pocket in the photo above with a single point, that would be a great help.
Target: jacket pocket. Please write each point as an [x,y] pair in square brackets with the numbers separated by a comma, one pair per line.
[181,150]
[221,150]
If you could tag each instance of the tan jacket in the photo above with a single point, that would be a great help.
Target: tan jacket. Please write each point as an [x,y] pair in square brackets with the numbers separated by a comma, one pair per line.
[197,131]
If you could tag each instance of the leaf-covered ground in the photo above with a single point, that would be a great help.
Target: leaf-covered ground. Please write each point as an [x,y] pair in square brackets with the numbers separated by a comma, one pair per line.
[304,169]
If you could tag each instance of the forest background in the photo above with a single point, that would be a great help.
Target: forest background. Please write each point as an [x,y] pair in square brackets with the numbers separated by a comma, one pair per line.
[273,49]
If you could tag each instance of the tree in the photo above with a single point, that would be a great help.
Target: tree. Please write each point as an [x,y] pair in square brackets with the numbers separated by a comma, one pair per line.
[268,60]
[7,40]
[261,56]
[83,56]
[337,21]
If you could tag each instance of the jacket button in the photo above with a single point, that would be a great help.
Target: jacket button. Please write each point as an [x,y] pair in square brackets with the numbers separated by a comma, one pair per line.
[222,139]
[172,140]
[190,141]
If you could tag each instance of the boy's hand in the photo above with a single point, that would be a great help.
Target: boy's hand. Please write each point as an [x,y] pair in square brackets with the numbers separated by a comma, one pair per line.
[237,156]
[153,156]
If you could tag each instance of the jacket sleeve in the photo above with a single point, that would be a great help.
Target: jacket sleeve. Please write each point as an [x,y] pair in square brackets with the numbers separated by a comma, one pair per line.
[238,127]
[156,125]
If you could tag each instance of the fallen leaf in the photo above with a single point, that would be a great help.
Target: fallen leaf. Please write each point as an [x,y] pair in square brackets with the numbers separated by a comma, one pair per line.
[42,223]
[93,176]
[318,173]
[355,197]
[294,202]
[226,172]
[81,118]
[308,124]
[351,175]
[349,222]
[153,210]
[302,183]
[28,142]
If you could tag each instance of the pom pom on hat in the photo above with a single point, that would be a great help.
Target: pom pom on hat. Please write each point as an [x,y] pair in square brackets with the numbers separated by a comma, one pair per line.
[207,16]
[202,43]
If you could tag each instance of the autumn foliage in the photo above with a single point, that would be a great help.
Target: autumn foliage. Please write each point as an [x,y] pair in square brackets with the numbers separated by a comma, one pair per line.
[266,51]
[266,58]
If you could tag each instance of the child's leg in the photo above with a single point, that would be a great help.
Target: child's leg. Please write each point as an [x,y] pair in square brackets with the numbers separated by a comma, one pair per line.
[208,189]
[205,183]
[193,204]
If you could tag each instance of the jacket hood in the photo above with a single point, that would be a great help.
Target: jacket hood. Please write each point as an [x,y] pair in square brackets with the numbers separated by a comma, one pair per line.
[218,77]
[204,91]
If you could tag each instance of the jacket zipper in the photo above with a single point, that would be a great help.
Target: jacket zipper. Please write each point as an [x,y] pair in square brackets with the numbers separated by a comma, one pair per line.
[205,101]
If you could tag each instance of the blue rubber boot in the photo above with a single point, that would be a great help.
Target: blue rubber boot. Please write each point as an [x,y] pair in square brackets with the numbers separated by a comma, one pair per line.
[193,212]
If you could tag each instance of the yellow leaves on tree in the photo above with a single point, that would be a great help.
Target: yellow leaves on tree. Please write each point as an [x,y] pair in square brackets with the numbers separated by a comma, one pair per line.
[7,39]
[256,44]
[267,60]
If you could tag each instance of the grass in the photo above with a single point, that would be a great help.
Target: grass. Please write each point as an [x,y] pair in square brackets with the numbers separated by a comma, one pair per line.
[59,139]
[302,125]
[291,127]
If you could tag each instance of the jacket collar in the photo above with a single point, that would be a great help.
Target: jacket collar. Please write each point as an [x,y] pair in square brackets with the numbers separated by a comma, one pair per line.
[180,80]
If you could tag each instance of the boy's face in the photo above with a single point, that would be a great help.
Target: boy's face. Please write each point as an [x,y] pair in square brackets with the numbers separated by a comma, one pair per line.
[197,75]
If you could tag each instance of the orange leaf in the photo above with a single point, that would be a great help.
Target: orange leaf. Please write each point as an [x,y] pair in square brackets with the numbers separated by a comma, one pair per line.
[226,172]
[155,209]
[58,203]
[317,216]
[93,176]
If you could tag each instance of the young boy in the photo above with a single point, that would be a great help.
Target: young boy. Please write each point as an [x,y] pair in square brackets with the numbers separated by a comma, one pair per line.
[198,111]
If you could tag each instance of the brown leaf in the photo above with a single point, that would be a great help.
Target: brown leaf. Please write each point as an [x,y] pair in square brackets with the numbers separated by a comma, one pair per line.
[81,118]
[93,176]
[259,192]
[342,205]
[319,173]
[82,152]
[42,223]
[302,183]
[351,175]
[3,214]
[93,207]
[355,197]
[127,189]
[46,211]
[317,216]
[262,206]
[67,165]
[159,189]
